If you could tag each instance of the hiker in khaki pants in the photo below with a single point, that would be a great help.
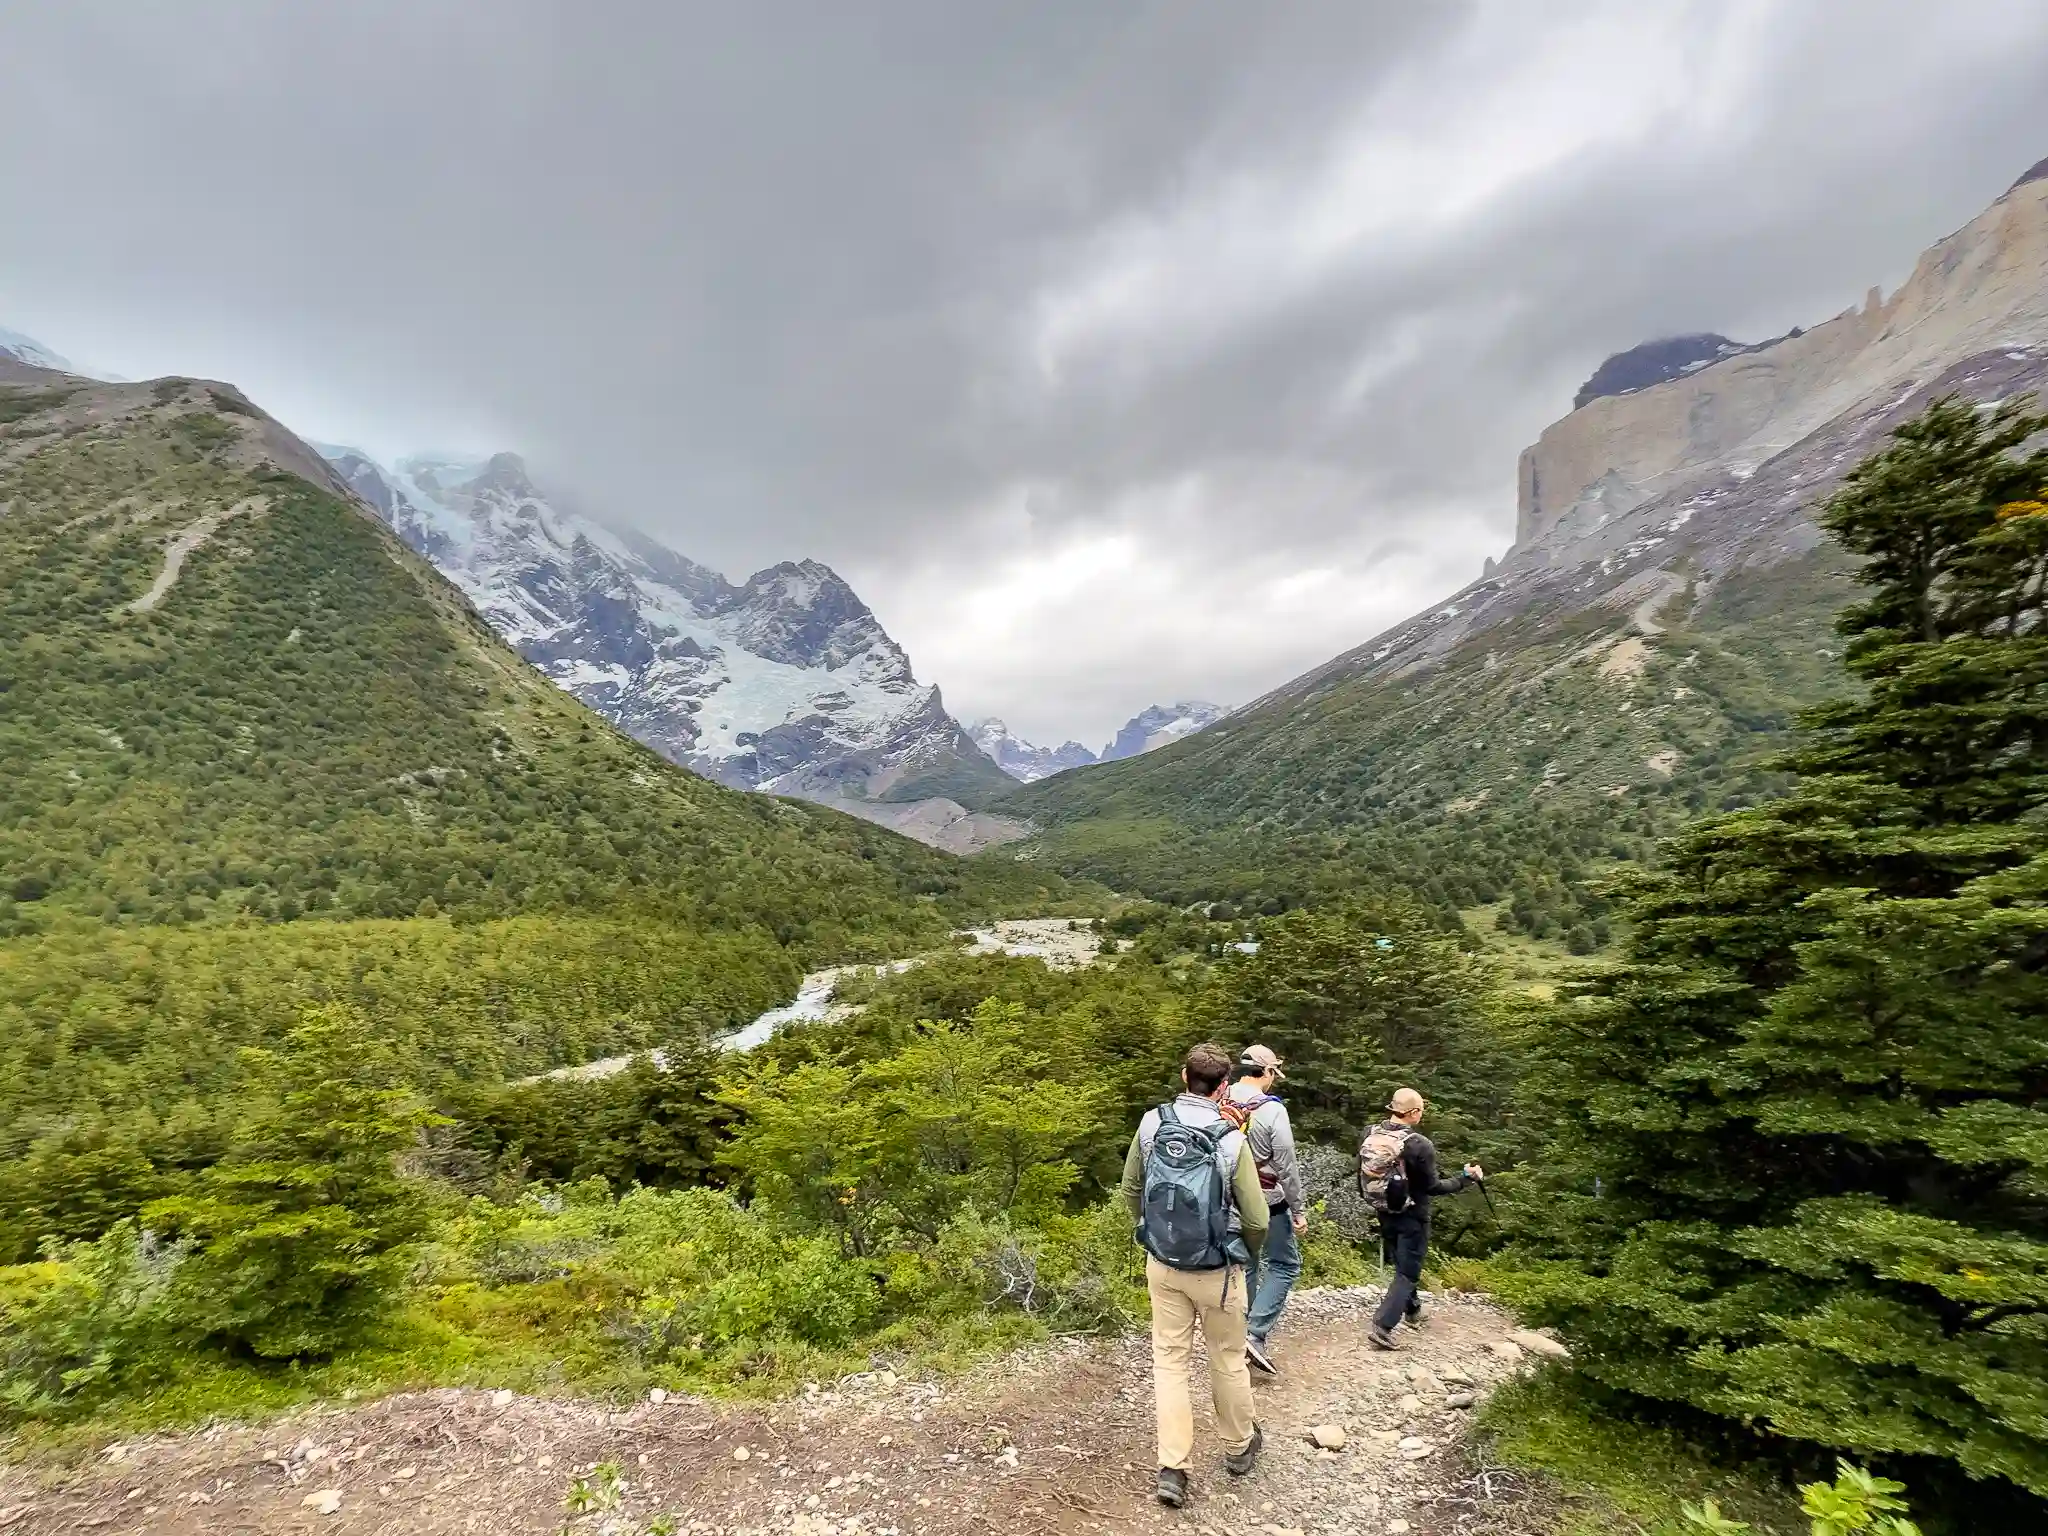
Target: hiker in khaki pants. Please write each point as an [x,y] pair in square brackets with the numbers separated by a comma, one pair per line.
[1193,1189]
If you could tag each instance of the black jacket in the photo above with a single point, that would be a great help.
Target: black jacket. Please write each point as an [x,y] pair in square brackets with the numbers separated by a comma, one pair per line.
[1419,1159]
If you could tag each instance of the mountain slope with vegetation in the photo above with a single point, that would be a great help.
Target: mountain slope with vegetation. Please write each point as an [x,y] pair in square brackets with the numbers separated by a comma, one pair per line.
[231,694]
[1635,659]
[257,758]
[1796,1173]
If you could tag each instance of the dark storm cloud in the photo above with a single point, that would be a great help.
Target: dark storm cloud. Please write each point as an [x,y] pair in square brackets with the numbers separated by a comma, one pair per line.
[1115,351]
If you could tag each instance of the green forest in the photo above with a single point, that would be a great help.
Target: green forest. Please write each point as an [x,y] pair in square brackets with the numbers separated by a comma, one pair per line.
[310,879]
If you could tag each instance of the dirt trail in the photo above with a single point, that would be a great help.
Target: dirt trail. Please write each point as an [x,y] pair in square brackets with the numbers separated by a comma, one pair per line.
[1052,1442]
[184,544]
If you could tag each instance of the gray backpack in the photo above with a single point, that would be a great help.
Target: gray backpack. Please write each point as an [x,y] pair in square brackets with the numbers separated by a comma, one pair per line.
[1186,1220]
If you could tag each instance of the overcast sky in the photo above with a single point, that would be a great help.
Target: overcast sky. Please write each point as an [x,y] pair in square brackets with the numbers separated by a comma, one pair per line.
[1116,353]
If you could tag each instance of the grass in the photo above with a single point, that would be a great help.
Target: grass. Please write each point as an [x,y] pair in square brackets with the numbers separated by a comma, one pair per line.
[492,1341]
[1529,965]
[1619,1477]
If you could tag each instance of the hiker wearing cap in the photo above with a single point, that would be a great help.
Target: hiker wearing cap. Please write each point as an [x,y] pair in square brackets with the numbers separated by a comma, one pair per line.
[1276,1265]
[1193,1189]
[1397,1176]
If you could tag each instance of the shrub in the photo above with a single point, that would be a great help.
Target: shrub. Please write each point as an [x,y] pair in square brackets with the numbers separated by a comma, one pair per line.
[1076,1274]
[73,1325]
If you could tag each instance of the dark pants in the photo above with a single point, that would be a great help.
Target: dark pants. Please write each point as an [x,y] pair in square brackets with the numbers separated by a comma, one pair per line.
[1406,1236]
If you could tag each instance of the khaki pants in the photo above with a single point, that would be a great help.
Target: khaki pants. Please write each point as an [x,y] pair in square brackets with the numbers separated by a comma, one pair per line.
[1217,1297]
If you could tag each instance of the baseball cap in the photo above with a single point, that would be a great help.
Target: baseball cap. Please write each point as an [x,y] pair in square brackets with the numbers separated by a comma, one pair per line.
[1264,1056]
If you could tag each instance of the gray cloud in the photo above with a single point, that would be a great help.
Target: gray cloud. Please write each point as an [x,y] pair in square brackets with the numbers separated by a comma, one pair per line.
[1115,352]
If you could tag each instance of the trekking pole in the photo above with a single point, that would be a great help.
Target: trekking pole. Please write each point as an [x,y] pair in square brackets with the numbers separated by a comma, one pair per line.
[1488,1198]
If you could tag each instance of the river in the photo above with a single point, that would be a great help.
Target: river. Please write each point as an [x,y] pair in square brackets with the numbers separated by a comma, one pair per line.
[1045,938]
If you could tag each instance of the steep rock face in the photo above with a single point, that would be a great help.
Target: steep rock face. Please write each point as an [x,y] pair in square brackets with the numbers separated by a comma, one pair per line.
[1020,759]
[1983,288]
[1153,728]
[785,683]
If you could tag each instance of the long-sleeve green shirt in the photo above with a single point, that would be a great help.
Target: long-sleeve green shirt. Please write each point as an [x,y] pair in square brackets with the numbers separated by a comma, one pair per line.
[1248,1202]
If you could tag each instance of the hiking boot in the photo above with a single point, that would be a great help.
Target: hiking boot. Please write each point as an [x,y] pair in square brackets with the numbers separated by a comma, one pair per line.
[1255,1354]
[1413,1316]
[1172,1487]
[1237,1463]
[1380,1338]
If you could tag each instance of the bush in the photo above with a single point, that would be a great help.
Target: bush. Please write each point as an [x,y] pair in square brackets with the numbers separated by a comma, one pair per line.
[75,1324]
[1077,1274]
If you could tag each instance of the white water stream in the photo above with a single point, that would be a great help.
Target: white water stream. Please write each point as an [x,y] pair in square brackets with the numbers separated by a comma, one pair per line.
[1047,938]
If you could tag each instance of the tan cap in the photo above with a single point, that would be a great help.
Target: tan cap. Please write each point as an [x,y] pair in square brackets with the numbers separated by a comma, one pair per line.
[1263,1055]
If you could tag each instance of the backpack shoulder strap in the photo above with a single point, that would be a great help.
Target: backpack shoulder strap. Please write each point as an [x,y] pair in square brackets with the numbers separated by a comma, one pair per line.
[1168,1115]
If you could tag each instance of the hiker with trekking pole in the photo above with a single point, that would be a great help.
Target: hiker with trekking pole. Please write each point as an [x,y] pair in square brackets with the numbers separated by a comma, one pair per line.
[1397,1176]
[1192,1187]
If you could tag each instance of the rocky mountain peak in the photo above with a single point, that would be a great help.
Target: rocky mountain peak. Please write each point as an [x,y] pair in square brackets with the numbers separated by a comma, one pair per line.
[786,682]
[30,352]
[1160,725]
[2038,171]
[504,473]
[1020,759]
[802,613]
[1652,362]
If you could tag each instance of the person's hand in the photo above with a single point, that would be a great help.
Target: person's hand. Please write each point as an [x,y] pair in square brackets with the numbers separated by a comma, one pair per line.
[1474,1171]
[1300,1224]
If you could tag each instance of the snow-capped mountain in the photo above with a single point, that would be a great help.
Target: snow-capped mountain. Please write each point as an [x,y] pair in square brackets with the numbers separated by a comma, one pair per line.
[1161,724]
[784,683]
[1019,758]
[1154,727]
[26,349]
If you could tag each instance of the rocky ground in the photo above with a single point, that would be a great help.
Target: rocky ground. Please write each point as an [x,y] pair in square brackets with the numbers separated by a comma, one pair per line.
[1053,1442]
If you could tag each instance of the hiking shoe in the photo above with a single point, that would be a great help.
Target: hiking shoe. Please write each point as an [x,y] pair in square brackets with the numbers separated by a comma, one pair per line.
[1172,1487]
[1380,1338]
[1413,1317]
[1255,1353]
[1237,1463]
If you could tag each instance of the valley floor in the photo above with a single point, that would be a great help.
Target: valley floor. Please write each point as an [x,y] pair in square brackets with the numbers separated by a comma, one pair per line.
[1053,1442]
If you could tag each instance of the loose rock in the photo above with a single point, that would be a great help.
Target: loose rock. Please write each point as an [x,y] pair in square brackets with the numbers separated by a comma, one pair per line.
[1539,1344]
[1330,1437]
[325,1502]
[1410,1404]
[1461,1400]
[1506,1349]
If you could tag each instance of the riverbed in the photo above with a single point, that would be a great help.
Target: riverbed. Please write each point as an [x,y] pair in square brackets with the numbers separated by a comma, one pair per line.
[1061,943]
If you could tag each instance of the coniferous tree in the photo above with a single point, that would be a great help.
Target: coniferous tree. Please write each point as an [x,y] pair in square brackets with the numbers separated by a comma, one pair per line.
[1803,1145]
[1360,1000]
